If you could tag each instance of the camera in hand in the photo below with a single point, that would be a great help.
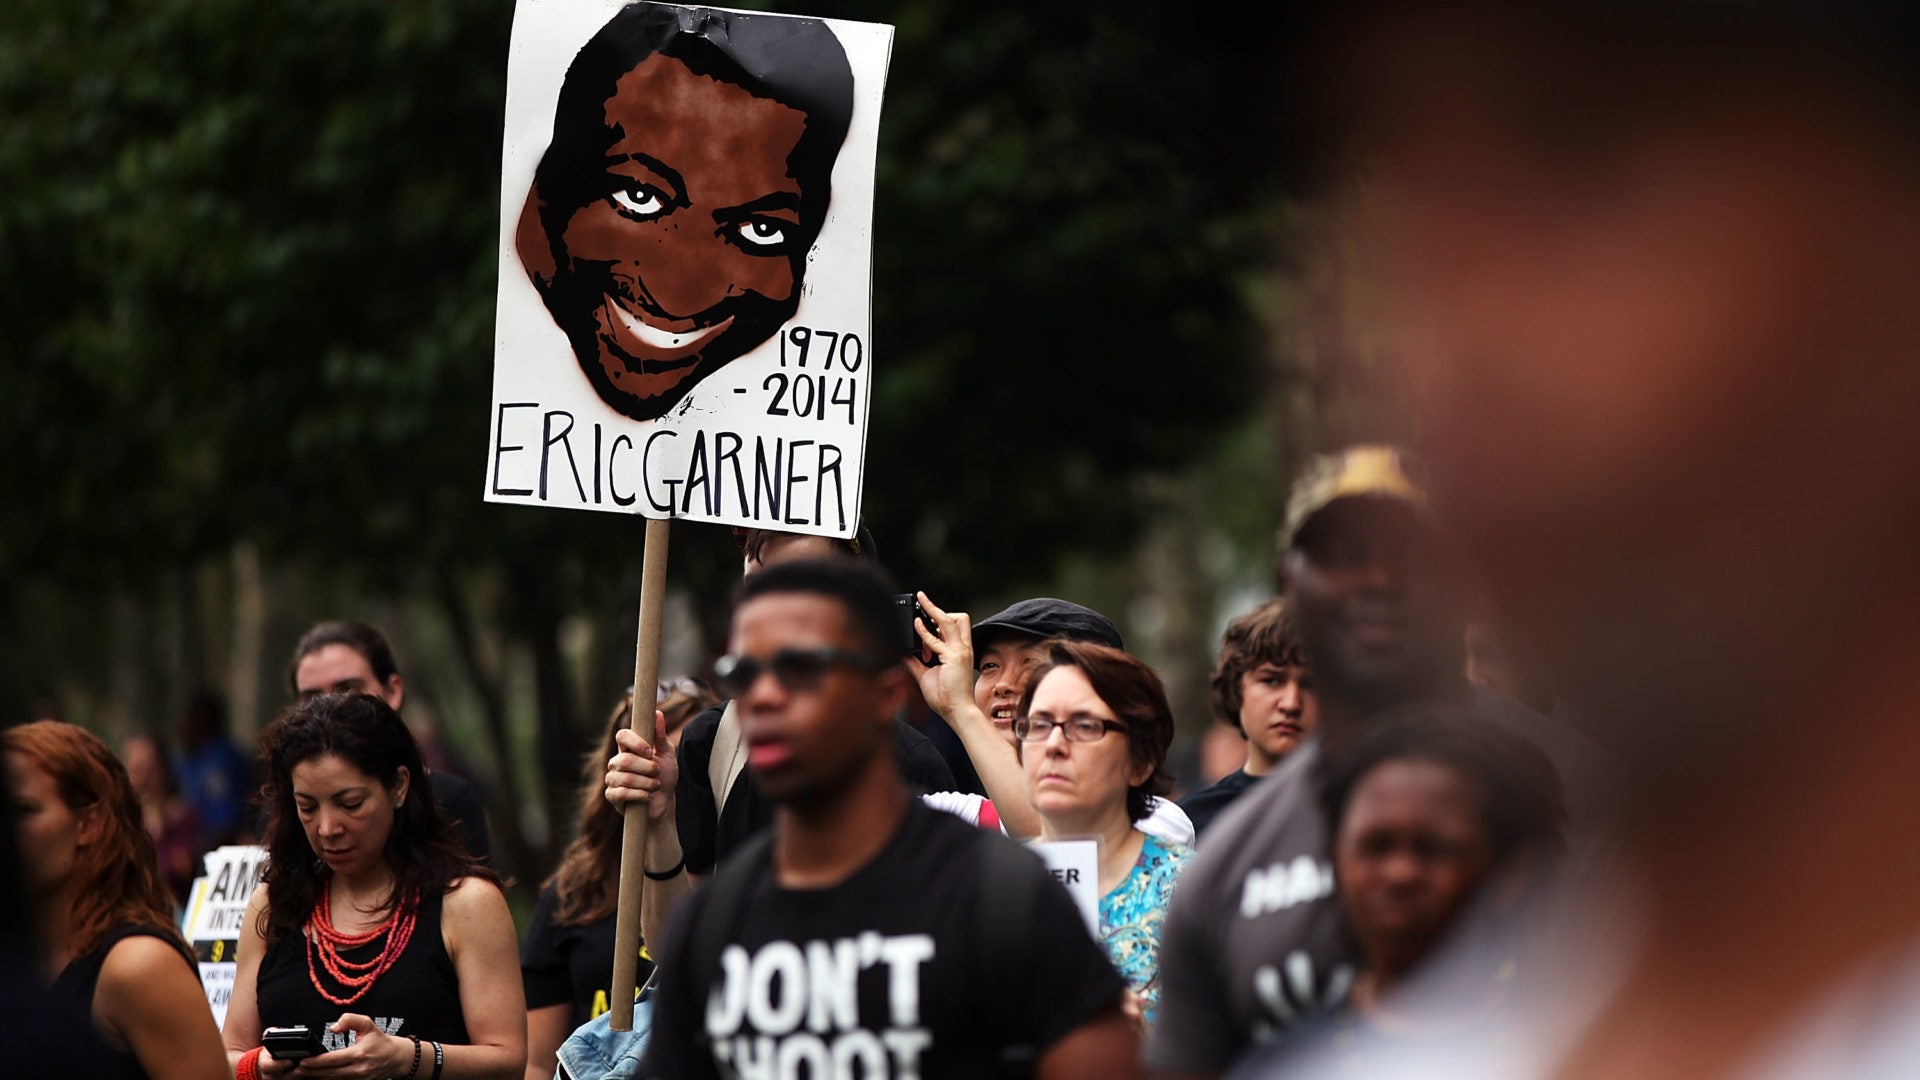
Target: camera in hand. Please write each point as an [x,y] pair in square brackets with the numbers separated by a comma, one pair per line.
[291,1043]
[908,611]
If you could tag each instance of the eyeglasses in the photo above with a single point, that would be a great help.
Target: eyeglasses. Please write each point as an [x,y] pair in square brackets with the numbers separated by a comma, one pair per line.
[795,669]
[1037,729]
[691,687]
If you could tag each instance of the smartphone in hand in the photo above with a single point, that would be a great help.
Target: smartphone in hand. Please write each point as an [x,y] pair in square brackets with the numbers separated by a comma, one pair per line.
[907,611]
[291,1043]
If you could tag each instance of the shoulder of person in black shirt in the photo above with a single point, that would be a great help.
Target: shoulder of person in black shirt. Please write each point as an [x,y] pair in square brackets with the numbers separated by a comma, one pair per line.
[461,802]
[921,764]
[1204,805]
[694,812]
[570,965]
[543,963]
[915,981]
[965,777]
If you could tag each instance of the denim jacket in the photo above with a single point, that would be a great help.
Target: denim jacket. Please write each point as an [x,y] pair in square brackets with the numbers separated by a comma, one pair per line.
[597,1052]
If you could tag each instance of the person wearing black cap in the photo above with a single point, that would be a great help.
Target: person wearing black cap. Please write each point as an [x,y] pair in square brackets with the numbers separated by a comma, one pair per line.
[976,687]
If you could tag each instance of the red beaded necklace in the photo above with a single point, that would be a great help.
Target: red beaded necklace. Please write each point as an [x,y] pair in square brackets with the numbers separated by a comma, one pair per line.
[356,977]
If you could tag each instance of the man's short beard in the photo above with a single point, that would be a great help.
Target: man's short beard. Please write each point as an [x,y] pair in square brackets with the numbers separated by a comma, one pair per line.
[1348,692]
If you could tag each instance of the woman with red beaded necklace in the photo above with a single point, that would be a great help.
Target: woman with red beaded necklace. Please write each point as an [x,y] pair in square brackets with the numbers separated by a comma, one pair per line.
[372,927]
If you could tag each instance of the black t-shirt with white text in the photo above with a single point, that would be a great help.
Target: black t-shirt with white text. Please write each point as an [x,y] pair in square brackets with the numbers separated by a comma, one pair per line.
[890,973]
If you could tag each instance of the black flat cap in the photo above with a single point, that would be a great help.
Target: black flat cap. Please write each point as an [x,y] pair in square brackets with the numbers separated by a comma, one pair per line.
[1045,617]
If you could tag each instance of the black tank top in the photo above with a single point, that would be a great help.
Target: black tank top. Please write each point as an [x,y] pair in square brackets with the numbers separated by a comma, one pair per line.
[418,995]
[72,993]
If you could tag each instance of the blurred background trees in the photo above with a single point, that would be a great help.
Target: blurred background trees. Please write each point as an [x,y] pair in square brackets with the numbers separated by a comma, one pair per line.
[247,284]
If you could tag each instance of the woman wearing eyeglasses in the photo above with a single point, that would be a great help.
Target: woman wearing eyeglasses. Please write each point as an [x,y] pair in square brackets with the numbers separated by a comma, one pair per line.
[1094,730]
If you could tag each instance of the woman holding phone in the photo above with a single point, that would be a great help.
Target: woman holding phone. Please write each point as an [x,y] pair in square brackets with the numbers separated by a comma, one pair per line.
[373,935]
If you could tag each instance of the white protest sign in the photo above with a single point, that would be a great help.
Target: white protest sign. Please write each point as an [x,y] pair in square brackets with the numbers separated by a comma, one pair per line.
[685,294]
[215,909]
[1075,864]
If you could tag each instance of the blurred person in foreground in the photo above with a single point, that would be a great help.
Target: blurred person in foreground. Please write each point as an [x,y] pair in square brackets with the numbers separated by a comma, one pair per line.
[344,656]
[1262,688]
[1655,269]
[902,942]
[1254,946]
[566,960]
[102,915]
[373,926]
[1094,729]
[1434,819]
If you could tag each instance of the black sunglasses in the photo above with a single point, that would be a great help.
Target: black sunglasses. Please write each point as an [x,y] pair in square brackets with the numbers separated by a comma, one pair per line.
[796,669]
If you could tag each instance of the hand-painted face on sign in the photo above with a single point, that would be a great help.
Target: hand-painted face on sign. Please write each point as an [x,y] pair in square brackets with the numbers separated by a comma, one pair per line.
[670,218]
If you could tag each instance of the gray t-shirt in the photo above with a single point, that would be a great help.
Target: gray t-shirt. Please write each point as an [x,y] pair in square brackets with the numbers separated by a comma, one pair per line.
[1253,944]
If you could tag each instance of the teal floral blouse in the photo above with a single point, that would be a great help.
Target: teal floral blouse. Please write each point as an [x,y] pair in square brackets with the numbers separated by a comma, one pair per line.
[1131,916]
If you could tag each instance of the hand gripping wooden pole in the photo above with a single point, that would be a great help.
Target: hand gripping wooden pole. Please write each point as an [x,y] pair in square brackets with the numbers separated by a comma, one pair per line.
[633,837]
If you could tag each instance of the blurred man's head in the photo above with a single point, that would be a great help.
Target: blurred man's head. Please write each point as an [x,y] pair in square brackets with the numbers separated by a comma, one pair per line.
[814,670]
[1656,270]
[1010,645]
[1373,594]
[343,656]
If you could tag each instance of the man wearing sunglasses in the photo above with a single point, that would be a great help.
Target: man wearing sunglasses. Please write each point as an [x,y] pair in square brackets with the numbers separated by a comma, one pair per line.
[714,802]
[853,930]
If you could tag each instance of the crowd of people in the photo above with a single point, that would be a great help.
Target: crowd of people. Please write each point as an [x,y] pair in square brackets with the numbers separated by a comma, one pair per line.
[1656,303]
[821,897]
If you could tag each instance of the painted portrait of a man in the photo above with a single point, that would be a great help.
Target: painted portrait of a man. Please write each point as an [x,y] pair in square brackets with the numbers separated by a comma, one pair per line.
[669,221]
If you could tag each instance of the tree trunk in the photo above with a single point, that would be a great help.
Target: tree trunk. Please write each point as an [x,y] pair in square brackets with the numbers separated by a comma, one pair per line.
[504,808]
[557,738]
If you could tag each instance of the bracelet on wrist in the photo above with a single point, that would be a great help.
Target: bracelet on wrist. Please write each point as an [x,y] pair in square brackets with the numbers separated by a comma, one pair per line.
[665,875]
[415,1071]
[248,1068]
[439,1059]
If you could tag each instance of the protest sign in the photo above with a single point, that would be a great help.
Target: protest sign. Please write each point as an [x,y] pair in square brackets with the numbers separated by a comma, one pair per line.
[1075,864]
[685,288]
[215,908]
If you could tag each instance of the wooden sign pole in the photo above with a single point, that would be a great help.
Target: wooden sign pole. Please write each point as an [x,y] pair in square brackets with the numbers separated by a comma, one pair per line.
[633,839]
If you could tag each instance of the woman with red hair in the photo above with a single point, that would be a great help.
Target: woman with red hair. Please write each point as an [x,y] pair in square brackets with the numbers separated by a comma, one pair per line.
[104,916]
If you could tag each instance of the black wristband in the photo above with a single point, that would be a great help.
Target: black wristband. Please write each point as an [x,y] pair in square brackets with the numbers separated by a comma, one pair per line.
[439,1060]
[665,875]
[415,1071]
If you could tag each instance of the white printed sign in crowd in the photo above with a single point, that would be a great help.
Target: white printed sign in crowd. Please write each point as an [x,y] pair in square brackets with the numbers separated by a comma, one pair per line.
[1075,864]
[685,292]
[215,907]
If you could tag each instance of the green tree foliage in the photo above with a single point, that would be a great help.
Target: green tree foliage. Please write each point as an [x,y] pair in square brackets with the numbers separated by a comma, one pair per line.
[247,276]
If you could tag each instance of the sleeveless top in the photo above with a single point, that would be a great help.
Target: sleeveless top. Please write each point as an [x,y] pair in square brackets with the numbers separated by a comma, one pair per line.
[72,993]
[419,995]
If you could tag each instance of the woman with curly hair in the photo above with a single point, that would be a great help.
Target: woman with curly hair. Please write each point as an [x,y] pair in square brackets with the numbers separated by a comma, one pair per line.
[104,916]
[373,928]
